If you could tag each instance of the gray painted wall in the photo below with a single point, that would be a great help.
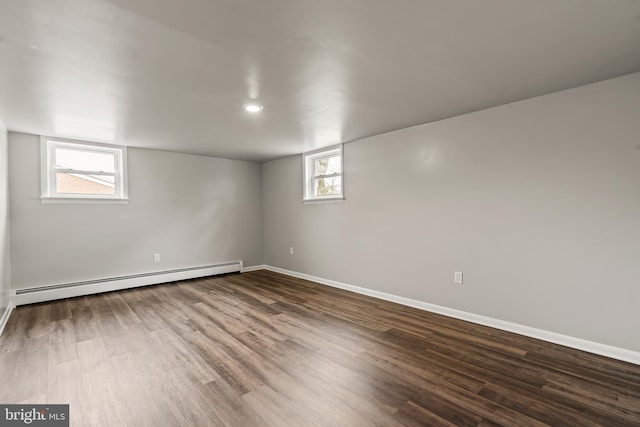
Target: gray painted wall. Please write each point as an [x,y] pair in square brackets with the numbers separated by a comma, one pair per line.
[192,210]
[537,202]
[5,265]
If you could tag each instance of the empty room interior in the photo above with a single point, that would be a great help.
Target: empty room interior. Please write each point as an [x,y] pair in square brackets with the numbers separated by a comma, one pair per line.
[320,213]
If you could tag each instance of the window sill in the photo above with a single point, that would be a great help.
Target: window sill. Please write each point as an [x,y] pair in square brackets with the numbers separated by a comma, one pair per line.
[84,200]
[339,199]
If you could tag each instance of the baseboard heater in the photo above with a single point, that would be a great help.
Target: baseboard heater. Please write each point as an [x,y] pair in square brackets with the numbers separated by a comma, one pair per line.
[75,289]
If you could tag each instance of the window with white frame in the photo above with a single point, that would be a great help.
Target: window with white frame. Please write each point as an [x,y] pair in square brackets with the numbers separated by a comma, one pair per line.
[83,171]
[323,174]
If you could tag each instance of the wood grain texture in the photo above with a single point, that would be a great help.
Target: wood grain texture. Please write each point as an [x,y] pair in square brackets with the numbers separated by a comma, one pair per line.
[264,349]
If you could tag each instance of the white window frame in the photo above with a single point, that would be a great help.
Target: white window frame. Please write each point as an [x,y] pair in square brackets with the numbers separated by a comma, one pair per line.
[48,171]
[308,161]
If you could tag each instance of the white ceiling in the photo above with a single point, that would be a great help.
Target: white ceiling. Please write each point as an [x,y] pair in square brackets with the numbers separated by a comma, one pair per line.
[173,75]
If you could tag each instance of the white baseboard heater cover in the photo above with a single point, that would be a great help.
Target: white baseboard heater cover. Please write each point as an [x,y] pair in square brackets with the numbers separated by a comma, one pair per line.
[89,287]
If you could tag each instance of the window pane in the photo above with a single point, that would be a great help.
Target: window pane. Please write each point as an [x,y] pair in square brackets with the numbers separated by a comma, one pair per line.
[326,165]
[73,183]
[69,158]
[328,186]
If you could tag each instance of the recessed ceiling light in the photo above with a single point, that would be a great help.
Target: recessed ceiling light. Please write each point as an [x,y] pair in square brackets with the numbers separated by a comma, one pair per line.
[253,107]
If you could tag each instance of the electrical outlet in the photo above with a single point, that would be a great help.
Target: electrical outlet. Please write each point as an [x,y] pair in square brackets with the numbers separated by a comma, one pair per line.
[457,277]
[156,257]
[290,250]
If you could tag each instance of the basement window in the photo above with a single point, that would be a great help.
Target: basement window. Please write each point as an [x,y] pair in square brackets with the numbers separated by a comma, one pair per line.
[74,171]
[323,178]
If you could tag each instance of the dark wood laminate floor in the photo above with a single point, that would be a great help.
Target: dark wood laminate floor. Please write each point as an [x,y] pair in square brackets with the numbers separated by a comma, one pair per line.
[263,349]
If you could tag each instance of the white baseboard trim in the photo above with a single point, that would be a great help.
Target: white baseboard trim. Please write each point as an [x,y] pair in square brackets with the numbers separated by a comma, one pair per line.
[254,268]
[556,338]
[69,290]
[4,319]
